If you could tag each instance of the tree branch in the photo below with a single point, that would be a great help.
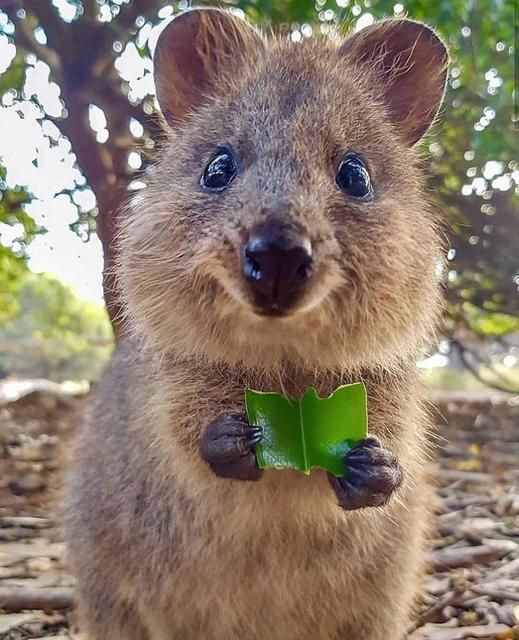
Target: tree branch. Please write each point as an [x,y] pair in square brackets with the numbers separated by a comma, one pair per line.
[462,352]
[90,9]
[110,99]
[49,599]
[130,12]
[50,21]
[24,38]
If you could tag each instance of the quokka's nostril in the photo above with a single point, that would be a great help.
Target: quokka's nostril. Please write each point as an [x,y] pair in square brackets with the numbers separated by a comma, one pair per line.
[304,271]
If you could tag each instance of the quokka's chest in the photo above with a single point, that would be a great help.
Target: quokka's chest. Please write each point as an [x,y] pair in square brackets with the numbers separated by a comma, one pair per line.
[298,581]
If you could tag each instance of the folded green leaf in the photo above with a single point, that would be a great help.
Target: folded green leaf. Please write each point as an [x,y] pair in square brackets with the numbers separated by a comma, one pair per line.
[310,431]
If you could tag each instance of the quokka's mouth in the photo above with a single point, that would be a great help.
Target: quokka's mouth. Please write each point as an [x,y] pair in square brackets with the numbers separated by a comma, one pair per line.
[271,307]
[272,312]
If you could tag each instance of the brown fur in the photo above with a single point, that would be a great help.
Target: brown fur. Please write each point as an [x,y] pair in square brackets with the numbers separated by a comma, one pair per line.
[163,549]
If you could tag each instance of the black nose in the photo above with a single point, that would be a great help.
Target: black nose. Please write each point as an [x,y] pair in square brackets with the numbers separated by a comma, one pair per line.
[277,263]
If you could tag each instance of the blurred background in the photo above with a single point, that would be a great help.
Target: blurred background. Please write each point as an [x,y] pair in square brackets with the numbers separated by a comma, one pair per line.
[78,129]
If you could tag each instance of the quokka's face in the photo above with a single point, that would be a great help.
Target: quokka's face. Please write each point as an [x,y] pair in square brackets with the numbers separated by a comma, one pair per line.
[285,219]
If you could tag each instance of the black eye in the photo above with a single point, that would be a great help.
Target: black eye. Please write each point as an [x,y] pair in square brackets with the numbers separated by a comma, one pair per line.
[353,177]
[220,172]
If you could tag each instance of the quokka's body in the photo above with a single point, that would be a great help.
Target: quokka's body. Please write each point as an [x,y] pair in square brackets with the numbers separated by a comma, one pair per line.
[173,533]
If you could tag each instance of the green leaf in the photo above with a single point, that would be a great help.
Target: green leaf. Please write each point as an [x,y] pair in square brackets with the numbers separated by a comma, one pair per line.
[308,432]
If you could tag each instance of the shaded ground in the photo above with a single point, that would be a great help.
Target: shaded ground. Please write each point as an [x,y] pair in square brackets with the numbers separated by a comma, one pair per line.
[473,587]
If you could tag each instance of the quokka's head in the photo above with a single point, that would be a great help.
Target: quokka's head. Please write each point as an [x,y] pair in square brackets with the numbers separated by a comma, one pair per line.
[284,219]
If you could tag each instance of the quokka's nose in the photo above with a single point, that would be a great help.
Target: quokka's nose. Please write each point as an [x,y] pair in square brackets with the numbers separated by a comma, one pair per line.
[277,264]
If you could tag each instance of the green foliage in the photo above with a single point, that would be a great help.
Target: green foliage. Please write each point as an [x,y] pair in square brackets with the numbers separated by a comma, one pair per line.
[53,333]
[283,12]
[12,268]
[486,323]
[13,79]
[12,262]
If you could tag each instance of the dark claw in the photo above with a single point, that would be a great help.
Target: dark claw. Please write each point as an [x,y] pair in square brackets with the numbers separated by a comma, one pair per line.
[227,446]
[254,440]
[373,474]
[371,457]
[370,441]
[254,436]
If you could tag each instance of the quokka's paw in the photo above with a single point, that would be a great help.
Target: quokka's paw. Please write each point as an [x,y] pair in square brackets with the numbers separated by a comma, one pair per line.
[227,445]
[373,474]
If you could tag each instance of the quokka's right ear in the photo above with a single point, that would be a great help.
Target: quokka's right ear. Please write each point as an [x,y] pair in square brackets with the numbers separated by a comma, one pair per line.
[409,61]
[195,53]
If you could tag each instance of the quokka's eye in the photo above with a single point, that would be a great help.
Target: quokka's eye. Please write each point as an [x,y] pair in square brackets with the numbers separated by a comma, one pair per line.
[353,177]
[220,172]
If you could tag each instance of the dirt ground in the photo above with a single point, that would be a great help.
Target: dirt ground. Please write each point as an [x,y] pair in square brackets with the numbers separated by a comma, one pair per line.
[472,590]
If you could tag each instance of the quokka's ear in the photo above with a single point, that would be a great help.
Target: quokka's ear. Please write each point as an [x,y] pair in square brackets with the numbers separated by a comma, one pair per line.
[195,53]
[410,62]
